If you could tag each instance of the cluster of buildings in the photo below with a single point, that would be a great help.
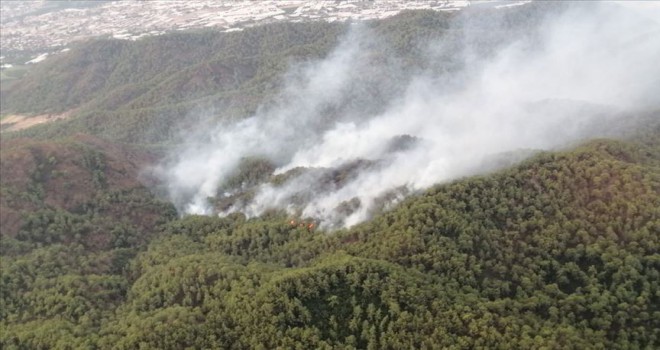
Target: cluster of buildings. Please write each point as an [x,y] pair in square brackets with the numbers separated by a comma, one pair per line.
[43,26]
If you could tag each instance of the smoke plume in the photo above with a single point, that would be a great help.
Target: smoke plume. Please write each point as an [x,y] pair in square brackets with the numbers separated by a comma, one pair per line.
[354,133]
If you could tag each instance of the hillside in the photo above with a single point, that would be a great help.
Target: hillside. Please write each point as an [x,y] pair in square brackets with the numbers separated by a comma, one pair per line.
[558,252]
[81,189]
[113,84]
[433,180]
[147,90]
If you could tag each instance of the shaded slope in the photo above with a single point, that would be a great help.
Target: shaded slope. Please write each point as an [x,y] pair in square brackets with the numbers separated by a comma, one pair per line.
[82,188]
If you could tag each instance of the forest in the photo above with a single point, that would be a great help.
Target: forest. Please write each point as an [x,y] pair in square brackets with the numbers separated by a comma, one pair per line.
[558,251]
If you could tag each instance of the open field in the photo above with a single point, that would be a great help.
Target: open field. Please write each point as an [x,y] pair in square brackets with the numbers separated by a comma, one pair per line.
[16,122]
[13,73]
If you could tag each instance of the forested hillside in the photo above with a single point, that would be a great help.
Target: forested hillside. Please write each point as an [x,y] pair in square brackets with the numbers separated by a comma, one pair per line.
[557,251]
[81,190]
[146,91]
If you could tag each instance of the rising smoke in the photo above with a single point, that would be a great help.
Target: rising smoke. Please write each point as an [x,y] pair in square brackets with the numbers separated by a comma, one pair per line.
[357,131]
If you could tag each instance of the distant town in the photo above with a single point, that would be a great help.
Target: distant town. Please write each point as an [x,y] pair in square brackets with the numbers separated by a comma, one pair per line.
[46,27]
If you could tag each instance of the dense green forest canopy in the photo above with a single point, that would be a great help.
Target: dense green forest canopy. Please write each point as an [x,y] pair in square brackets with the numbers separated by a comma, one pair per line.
[560,251]
[557,252]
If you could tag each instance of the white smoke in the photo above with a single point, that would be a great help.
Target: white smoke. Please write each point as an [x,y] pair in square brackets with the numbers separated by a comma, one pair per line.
[562,81]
